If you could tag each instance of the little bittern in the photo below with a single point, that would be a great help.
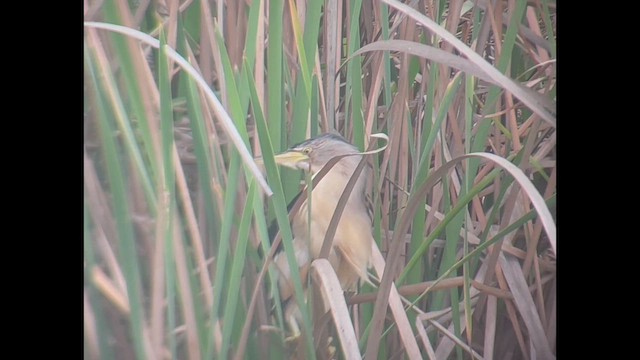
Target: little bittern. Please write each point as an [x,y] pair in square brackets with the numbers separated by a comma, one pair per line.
[351,247]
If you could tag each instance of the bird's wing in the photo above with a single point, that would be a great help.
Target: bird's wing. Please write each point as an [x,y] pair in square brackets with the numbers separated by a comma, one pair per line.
[301,251]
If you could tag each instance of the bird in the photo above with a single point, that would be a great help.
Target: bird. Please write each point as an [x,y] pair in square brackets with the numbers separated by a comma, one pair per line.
[350,252]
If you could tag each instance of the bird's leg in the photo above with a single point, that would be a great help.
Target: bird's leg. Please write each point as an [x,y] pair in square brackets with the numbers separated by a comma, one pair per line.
[295,329]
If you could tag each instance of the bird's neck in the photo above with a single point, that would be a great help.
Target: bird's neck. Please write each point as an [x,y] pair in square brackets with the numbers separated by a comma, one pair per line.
[334,182]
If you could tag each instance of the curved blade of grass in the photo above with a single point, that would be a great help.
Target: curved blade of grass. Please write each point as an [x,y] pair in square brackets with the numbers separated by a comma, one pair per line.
[217,107]
[325,278]
[434,285]
[385,286]
[520,177]
[404,327]
[529,189]
[535,102]
[524,302]
[427,52]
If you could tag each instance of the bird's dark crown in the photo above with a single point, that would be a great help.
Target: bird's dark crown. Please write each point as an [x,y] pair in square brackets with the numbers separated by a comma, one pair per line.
[320,139]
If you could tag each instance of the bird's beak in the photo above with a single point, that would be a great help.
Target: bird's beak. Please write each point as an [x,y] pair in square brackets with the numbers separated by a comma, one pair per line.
[293,159]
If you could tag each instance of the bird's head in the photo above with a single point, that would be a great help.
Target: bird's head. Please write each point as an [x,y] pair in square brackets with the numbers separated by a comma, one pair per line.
[313,154]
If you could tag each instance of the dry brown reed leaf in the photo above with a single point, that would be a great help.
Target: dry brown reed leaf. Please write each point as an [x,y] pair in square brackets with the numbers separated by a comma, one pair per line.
[402,322]
[325,279]
[525,305]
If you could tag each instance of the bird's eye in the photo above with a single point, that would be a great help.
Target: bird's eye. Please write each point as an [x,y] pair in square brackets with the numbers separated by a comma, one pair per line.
[306,150]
